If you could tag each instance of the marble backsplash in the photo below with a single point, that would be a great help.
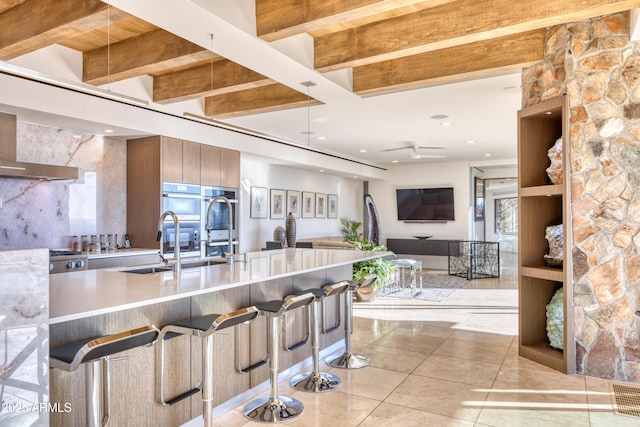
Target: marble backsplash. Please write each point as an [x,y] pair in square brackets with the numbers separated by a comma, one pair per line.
[24,338]
[48,213]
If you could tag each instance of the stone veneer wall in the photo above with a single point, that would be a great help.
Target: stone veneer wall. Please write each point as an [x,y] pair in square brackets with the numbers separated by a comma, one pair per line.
[599,68]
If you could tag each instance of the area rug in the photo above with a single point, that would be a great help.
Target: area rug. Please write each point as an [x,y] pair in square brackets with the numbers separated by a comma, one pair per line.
[435,287]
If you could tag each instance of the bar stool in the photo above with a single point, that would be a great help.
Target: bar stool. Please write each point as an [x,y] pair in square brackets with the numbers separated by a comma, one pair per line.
[203,327]
[348,360]
[275,408]
[95,354]
[316,381]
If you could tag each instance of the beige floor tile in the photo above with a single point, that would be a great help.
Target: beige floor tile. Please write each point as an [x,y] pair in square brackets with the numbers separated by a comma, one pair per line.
[332,409]
[535,417]
[369,382]
[464,349]
[467,371]
[602,404]
[434,329]
[393,359]
[482,337]
[387,415]
[439,397]
[415,342]
[538,386]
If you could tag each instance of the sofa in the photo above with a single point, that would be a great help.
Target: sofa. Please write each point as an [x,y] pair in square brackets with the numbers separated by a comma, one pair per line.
[329,242]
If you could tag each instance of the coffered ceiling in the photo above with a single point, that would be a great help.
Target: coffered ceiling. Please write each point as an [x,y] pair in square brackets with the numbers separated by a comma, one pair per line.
[384,72]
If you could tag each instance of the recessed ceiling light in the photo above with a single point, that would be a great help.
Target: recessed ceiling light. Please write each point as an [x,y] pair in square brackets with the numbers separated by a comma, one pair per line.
[108,131]
[471,141]
[322,138]
[394,161]
[446,124]
[439,116]
[355,177]
[363,151]
[487,155]
[548,113]
[321,170]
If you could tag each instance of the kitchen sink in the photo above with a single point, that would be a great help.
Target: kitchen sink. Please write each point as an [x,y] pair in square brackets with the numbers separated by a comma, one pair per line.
[185,265]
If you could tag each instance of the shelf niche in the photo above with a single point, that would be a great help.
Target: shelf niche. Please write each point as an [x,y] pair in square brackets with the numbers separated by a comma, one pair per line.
[542,204]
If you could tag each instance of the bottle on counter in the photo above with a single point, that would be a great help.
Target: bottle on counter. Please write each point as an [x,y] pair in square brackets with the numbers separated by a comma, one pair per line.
[76,244]
[85,243]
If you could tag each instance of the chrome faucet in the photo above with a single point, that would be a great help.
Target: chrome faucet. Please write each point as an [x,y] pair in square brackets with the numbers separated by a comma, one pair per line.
[176,245]
[223,199]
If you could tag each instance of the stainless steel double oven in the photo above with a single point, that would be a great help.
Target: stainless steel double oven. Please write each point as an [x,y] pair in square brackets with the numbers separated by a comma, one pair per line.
[190,203]
[216,237]
[185,201]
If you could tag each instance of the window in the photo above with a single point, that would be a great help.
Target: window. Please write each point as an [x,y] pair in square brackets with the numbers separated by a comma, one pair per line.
[507,215]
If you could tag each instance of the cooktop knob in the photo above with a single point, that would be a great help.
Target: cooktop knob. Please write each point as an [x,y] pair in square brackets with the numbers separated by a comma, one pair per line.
[71,264]
[79,263]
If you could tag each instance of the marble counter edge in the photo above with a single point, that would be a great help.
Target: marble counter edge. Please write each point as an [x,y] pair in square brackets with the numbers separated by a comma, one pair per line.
[122,253]
[161,278]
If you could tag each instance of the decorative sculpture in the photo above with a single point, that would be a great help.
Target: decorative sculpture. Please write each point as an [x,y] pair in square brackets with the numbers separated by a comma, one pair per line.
[373,228]
[290,225]
[555,235]
[279,234]
[555,320]
[555,171]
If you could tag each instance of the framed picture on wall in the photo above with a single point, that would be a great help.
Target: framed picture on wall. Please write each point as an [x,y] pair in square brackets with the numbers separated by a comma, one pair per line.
[259,202]
[308,205]
[332,206]
[479,198]
[321,205]
[293,203]
[277,203]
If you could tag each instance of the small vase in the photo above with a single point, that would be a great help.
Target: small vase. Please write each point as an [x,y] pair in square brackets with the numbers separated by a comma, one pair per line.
[290,226]
[279,234]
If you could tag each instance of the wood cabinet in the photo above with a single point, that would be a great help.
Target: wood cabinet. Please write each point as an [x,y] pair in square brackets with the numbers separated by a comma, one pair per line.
[157,159]
[180,160]
[219,167]
[542,204]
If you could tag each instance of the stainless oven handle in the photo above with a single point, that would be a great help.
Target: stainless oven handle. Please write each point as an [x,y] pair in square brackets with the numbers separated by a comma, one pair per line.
[208,199]
[181,196]
[225,243]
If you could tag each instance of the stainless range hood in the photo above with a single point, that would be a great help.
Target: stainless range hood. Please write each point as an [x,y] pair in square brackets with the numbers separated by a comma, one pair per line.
[10,168]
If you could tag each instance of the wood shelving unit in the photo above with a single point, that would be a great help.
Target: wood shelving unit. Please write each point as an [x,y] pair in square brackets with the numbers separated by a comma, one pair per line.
[542,204]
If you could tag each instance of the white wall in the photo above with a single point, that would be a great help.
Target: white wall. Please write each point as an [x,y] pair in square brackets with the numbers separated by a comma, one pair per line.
[255,232]
[454,175]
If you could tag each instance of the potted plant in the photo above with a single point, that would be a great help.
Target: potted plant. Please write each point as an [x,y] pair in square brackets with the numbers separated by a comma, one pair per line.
[350,230]
[382,268]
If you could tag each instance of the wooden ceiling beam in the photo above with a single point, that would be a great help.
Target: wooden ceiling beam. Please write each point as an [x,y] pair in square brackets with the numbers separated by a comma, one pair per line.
[150,53]
[453,64]
[453,24]
[215,78]
[264,99]
[50,22]
[277,19]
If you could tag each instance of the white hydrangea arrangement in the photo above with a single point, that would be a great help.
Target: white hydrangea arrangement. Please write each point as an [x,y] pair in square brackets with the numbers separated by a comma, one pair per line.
[555,320]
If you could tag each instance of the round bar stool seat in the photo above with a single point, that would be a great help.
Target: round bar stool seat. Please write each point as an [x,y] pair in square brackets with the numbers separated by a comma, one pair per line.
[348,360]
[275,408]
[317,381]
[94,353]
[203,327]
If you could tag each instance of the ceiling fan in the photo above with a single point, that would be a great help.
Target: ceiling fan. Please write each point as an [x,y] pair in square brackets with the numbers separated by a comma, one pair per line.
[416,155]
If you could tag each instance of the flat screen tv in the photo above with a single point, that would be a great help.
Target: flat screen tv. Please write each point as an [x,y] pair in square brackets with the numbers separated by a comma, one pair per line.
[425,204]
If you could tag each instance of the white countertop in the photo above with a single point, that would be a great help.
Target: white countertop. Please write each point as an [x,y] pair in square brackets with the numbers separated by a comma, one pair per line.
[88,293]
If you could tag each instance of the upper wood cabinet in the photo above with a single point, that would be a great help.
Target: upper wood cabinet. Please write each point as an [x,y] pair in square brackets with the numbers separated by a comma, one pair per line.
[180,161]
[219,166]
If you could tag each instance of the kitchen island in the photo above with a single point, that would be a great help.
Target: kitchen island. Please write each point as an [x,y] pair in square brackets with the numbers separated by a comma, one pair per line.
[98,302]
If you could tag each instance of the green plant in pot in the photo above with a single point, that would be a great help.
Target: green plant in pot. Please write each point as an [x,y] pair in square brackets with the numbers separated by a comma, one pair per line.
[382,268]
[350,230]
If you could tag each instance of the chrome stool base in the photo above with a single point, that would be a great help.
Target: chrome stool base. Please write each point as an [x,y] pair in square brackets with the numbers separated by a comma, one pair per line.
[315,382]
[347,361]
[273,410]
